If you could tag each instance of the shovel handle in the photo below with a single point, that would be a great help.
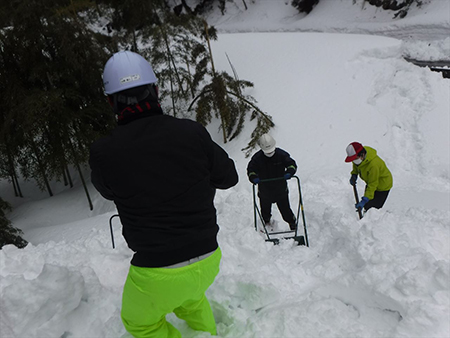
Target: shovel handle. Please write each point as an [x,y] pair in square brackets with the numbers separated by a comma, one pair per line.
[355,191]
[273,179]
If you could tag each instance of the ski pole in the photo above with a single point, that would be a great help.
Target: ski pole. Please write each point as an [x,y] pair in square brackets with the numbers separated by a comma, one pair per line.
[355,191]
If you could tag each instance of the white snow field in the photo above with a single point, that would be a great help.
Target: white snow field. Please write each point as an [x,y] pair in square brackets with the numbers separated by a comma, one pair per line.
[387,275]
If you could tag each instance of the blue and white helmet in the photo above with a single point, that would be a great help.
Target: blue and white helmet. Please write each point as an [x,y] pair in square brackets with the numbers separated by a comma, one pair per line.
[125,70]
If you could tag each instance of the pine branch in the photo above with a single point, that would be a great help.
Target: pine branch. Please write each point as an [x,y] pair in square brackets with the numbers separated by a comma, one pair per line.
[259,111]
[199,96]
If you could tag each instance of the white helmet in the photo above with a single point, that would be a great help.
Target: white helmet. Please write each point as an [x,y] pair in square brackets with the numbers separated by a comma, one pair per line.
[125,70]
[267,143]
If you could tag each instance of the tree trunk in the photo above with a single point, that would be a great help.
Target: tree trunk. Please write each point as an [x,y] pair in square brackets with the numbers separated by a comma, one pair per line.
[77,165]
[190,78]
[91,206]
[209,47]
[16,185]
[63,171]
[172,90]
[16,193]
[135,47]
[171,60]
[41,167]
[15,181]
[12,173]
[215,77]
[69,177]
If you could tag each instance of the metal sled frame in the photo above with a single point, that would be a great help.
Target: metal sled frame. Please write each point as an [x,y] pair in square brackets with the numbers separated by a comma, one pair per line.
[302,239]
[111,229]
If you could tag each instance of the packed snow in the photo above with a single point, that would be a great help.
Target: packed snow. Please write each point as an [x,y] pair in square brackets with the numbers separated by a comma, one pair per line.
[387,275]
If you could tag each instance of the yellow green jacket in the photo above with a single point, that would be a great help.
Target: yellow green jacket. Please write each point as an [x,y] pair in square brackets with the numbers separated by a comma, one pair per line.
[374,172]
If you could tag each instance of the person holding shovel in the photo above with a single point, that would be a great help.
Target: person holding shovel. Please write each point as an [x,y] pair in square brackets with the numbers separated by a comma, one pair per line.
[272,163]
[372,170]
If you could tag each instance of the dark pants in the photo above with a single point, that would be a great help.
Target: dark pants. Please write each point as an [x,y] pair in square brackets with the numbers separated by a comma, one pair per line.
[378,200]
[283,205]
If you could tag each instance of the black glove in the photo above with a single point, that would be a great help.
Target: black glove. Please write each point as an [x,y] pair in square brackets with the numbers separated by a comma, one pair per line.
[353,179]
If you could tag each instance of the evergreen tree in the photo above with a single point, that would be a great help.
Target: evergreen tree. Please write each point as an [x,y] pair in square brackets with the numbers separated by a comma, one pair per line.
[172,41]
[179,55]
[50,66]
[200,7]
[179,50]
[8,233]
[304,6]
[224,98]
[402,6]
[128,19]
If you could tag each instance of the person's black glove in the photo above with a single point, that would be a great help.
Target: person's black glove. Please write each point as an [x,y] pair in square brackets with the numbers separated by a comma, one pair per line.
[353,179]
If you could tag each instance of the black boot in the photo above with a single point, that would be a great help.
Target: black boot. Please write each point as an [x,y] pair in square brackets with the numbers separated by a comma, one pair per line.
[293,224]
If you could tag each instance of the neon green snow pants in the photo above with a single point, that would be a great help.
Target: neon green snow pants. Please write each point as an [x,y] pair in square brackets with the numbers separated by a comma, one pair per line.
[150,294]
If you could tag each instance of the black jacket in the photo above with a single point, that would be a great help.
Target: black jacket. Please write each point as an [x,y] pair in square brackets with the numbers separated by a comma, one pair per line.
[162,172]
[271,167]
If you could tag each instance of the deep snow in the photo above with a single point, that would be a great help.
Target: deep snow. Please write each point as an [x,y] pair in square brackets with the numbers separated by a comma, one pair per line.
[387,275]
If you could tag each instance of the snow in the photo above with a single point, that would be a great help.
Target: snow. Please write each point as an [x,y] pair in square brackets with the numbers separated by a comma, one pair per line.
[387,275]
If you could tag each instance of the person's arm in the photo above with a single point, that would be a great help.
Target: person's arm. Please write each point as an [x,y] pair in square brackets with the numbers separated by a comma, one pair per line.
[223,170]
[252,171]
[96,176]
[223,174]
[354,174]
[289,164]
[372,182]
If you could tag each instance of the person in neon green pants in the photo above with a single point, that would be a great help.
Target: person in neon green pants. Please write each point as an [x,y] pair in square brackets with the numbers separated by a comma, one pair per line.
[162,173]
[151,293]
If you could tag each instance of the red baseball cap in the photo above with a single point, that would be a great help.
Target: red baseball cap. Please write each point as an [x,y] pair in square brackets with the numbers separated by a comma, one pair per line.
[353,149]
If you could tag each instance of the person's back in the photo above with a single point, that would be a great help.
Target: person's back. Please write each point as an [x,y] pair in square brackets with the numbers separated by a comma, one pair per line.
[159,169]
[161,172]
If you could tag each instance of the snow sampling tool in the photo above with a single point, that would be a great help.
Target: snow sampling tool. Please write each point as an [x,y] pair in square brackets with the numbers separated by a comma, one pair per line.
[355,191]
[302,239]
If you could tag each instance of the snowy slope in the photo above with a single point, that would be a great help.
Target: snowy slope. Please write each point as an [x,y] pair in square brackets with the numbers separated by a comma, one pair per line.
[387,275]
[345,16]
[425,31]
